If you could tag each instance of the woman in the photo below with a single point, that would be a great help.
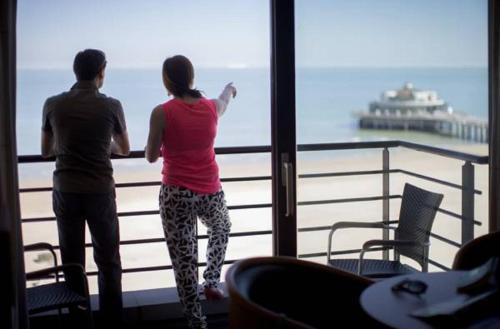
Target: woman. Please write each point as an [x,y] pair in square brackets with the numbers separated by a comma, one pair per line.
[183,131]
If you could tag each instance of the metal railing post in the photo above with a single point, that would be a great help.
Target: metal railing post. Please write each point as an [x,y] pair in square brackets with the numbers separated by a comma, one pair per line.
[385,200]
[467,202]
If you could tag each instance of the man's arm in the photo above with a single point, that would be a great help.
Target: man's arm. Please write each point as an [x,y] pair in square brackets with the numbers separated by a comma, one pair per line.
[120,144]
[47,145]
[156,126]
[223,100]
[47,142]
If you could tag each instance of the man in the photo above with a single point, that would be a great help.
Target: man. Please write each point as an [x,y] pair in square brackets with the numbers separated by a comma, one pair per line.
[81,128]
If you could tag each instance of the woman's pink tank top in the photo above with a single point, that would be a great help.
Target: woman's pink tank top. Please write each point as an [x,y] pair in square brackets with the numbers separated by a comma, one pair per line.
[188,146]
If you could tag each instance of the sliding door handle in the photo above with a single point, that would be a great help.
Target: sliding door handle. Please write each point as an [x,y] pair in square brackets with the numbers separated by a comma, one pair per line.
[288,181]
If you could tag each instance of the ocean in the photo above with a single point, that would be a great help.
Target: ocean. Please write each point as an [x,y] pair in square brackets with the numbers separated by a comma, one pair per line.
[326,99]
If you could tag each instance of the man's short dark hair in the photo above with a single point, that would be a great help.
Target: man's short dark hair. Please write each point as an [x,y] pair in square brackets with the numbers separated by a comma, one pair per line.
[88,63]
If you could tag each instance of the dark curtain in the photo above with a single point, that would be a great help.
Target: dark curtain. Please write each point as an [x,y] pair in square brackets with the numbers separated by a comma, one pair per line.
[494,117]
[12,275]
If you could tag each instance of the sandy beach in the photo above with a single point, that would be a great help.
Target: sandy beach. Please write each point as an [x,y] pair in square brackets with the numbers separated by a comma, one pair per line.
[141,227]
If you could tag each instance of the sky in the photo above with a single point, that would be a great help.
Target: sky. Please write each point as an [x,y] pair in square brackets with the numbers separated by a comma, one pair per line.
[235,33]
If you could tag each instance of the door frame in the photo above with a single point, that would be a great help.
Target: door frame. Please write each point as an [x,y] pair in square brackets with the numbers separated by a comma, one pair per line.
[283,132]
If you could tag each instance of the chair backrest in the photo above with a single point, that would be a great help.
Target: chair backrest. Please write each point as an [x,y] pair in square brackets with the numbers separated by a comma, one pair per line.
[284,292]
[418,210]
[476,252]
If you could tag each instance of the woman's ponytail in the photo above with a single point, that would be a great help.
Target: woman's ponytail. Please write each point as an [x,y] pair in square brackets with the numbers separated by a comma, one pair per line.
[178,75]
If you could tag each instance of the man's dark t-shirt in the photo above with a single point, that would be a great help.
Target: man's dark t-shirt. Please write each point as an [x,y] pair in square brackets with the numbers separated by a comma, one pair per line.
[83,122]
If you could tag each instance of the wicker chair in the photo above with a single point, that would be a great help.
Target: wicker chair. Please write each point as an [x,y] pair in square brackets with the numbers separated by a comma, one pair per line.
[59,294]
[417,213]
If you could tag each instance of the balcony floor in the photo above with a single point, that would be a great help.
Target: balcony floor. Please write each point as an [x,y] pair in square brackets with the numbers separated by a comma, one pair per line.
[149,309]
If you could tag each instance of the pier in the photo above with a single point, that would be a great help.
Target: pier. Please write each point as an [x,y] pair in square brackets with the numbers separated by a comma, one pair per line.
[442,123]
[418,110]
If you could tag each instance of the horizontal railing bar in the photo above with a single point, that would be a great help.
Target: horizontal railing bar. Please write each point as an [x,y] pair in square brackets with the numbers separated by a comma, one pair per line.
[329,227]
[435,180]
[138,213]
[149,212]
[315,228]
[259,206]
[362,199]
[250,206]
[445,240]
[346,146]
[455,215]
[259,178]
[224,180]
[444,152]
[441,266]
[243,149]
[35,189]
[199,237]
[253,233]
[154,183]
[228,179]
[317,254]
[241,234]
[37,219]
[309,147]
[140,154]
[131,242]
[347,173]
[244,179]
[138,184]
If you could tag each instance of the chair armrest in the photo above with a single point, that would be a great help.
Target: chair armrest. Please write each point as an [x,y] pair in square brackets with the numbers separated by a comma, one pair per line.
[368,245]
[393,243]
[77,268]
[342,225]
[44,246]
[39,246]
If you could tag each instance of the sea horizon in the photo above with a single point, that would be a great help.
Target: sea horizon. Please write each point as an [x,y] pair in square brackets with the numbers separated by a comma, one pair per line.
[326,100]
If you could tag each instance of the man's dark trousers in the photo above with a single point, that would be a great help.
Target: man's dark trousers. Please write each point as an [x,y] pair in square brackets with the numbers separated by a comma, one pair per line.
[99,210]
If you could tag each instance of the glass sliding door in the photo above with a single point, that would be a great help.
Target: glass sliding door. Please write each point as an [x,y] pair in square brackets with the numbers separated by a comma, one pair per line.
[226,41]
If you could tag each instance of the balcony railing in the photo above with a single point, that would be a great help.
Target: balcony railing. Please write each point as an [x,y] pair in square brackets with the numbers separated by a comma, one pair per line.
[467,187]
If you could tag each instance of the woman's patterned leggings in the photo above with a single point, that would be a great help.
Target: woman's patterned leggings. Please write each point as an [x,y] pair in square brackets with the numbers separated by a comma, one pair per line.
[179,208]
